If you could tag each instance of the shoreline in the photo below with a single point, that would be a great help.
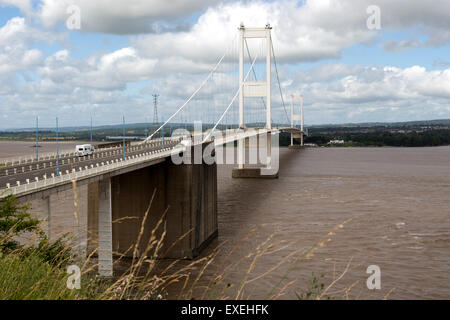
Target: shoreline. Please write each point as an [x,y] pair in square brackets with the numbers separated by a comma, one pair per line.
[15,148]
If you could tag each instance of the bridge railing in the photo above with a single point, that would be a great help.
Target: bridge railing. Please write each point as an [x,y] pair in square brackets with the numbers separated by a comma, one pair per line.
[31,159]
[83,173]
[27,159]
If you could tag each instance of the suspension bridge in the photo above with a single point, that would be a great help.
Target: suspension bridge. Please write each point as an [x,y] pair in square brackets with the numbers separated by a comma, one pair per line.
[240,101]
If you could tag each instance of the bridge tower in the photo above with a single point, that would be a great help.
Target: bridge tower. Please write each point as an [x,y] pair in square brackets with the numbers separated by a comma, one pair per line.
[294,118]
[254,89]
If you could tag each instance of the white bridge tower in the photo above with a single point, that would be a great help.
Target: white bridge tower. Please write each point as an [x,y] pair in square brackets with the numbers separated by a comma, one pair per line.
[297,117]
[254,89]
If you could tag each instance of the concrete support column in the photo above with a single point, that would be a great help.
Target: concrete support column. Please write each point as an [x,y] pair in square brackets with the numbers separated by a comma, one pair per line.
[105,258]
[268,79]
[192,200]
[185,199]
[49,218]
[264,150]
[92,219]
[301,113]
[241,76]
[292,119]
[301,120]
[269,151]
[241,145]
[241,153]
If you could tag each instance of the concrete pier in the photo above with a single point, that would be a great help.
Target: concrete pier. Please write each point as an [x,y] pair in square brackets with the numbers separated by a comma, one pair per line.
[63,214]
[253,173]
[185,201]
[192,203]
[263,145]
[105,254]
[107,214]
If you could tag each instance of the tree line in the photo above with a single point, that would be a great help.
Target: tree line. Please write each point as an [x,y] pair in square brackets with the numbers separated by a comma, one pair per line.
[381,139]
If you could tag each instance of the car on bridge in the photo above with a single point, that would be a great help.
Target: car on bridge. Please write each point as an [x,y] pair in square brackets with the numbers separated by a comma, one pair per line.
[84,150]
[186,142]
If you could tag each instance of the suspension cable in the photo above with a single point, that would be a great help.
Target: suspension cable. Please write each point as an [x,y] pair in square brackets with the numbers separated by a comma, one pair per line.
[254,72]
[278,79]
[191,97]
[231,103]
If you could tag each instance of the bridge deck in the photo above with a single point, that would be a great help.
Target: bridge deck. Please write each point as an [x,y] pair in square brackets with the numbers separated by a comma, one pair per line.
[23,179]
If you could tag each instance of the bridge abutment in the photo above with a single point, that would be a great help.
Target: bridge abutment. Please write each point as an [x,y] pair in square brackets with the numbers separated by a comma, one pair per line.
[106,214]
[299,137]
[254,173]
[263,146]
[64,214]
[184,203]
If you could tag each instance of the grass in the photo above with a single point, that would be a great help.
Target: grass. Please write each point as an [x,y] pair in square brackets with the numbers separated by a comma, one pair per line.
[29,277]
[27,273]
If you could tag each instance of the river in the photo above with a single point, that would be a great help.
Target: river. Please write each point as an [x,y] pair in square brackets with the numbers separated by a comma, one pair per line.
[395,206]
[331,212]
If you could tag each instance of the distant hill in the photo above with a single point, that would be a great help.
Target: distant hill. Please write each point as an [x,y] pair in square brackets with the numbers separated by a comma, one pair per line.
[146,125]
[444,122]
[81,128]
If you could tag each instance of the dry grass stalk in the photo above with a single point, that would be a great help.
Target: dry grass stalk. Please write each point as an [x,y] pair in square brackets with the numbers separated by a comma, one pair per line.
[132,285]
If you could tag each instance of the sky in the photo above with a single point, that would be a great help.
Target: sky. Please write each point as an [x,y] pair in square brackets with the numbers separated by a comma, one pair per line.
[348,68]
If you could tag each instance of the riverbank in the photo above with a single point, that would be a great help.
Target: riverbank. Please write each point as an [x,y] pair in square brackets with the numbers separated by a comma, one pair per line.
[13,148]
[382,137]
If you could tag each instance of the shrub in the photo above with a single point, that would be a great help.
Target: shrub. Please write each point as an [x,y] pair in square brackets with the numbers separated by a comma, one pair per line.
[14,220]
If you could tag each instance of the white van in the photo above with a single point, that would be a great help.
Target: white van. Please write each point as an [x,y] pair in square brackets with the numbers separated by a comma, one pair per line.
[187,141]
[84,150]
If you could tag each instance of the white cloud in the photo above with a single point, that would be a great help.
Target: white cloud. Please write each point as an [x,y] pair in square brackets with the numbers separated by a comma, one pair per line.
[109,72]
[140,16]
[175,62]
[24,5]
[337,93]
[312,32]
[399,46]
[15,54]
[122,17]
[316,30]
[361,84]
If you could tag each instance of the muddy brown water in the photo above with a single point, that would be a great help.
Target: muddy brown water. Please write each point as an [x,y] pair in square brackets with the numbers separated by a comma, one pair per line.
[392,206]
[398,200]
